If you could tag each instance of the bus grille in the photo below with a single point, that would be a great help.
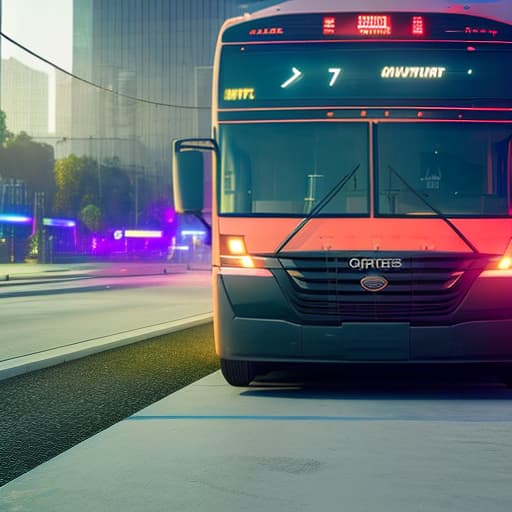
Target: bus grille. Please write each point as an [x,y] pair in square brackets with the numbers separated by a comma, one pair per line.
[426,287]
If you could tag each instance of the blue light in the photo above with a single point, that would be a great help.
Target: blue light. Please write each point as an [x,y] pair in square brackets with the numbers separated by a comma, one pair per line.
[59,223]
[15,219]
[193,232]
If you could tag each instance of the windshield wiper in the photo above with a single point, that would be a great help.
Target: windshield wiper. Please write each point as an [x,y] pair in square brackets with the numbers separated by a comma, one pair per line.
[318,208]
[439,213]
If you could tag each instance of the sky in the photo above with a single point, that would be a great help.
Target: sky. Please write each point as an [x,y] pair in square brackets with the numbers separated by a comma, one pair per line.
[44,27]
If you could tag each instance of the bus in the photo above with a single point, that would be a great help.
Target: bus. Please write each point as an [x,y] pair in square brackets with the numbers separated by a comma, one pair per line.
[362,185]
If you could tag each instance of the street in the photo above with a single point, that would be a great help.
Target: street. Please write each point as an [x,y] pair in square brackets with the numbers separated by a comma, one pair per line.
[360,439]
[37,317]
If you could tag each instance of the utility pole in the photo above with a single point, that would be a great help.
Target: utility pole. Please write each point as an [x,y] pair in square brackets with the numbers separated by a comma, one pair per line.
[39,207]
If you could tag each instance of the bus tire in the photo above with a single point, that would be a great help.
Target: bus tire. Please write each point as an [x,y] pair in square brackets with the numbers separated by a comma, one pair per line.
[238,373]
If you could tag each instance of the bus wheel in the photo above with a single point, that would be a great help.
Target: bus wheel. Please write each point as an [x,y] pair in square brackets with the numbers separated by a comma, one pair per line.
[238,373]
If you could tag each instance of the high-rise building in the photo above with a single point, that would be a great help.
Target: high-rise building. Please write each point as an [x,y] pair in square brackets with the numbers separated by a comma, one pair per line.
[0,52]
[157,50]
[24,93]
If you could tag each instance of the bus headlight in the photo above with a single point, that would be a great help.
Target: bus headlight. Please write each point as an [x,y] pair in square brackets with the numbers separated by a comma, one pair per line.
[233,252]
[505,263]
[501,265]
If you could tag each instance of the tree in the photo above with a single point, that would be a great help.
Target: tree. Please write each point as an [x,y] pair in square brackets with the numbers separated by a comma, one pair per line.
[24,159]
[91,217]
[116,198]
[4,133]
[77,185]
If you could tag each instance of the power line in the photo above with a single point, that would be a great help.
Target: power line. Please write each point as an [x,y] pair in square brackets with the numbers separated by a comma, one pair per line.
[97,86]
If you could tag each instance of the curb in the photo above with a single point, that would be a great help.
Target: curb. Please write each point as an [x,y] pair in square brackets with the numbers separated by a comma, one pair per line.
[39,360]
[69,275]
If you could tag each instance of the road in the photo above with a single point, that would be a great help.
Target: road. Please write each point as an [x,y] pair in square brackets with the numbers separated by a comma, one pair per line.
[36,317]
[388,441]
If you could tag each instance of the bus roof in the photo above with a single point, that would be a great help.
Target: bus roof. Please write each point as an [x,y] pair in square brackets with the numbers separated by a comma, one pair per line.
[493,9]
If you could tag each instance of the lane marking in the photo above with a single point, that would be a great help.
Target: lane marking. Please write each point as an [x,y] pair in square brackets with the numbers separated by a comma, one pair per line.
[487,419]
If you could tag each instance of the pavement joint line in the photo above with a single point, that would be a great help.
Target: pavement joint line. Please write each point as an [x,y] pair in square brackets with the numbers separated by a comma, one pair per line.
[242,417]
[20,365]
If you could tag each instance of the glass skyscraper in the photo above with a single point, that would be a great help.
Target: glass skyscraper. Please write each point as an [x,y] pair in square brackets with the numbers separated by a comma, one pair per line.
[160,51]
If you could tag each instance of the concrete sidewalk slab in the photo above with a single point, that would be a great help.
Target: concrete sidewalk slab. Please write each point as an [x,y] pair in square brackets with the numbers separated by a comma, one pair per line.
[18,273]
[211,447]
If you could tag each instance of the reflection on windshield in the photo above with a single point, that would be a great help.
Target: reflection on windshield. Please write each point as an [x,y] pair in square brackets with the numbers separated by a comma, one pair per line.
[453,169]
[459,169]
[285,168]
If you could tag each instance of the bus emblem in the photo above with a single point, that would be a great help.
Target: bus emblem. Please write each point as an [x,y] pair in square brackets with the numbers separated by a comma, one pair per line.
[373,283]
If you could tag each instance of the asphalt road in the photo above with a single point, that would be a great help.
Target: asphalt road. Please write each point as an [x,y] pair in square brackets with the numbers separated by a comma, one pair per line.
[44,413]
[40,316]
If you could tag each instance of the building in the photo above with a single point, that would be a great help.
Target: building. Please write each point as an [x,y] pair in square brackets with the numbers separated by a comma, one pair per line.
[63,86]
[24,93]
[0,52]
[157,50]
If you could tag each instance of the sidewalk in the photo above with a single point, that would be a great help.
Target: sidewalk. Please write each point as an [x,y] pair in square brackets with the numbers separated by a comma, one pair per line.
[14,273]
[211,447]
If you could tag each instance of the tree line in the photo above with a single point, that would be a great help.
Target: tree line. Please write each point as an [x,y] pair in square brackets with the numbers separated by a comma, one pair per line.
[99,194]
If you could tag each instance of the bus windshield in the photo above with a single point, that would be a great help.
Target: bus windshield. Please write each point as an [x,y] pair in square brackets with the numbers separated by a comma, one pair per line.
[287,168]
[461,169]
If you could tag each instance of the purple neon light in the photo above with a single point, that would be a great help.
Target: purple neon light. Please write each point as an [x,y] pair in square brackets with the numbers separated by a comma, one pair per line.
[59,223]
[15,219]
[142,233]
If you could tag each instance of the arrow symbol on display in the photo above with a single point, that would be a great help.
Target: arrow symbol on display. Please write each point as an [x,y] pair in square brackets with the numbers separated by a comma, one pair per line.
[296,75]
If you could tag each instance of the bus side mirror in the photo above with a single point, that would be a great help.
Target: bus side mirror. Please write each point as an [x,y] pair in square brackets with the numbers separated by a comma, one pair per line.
[188,173]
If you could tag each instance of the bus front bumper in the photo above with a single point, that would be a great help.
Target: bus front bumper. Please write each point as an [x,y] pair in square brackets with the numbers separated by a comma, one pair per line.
[279,339]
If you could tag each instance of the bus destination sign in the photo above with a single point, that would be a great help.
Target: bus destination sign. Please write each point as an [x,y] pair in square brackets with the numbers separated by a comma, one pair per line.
[412,26]
[261,75]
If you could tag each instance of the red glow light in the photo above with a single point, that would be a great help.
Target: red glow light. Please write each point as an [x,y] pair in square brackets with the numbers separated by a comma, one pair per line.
[418,26]
[329,26]
[374,25]
[267,31]
[477,30]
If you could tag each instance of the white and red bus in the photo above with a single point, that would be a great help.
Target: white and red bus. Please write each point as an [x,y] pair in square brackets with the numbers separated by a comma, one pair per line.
[362,205]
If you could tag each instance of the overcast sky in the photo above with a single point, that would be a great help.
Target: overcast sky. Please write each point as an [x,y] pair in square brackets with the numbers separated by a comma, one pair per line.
[44,26]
